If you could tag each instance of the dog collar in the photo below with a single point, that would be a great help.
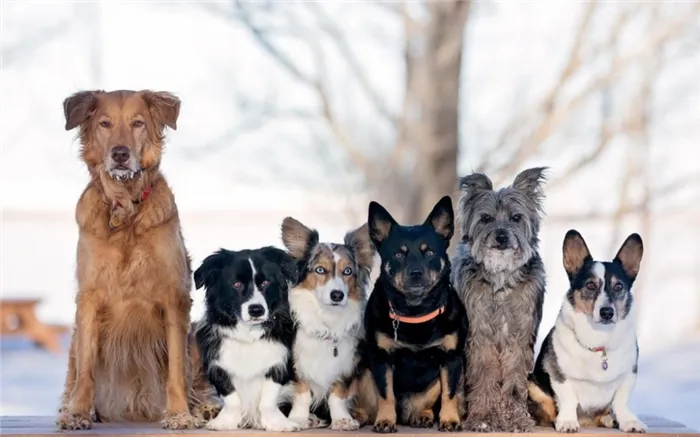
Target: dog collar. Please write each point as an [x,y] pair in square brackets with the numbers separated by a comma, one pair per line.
[144,195]
[415,319]
[114,218]
[603,357]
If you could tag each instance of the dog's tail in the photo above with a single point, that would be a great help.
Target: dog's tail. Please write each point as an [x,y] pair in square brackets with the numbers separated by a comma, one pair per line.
[541,405]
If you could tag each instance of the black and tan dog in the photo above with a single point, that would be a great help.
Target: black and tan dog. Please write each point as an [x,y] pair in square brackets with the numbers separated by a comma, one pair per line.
[415,327]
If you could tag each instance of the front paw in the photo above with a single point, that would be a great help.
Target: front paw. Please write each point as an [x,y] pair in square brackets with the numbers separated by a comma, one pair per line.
[450,426]
[567,425]
[633,426]
[68,421]
[385,426]
[225,421]
[276,421]
[478,426]
[178,421]
[345,424]
[204,413]
[423,421]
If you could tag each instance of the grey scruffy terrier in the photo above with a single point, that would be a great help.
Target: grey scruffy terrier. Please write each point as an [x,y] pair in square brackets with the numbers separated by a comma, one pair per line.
[500,277]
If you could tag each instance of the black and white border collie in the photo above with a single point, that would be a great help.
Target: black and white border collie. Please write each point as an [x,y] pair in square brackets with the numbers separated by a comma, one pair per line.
[246,335]
[327,306]
[587,366]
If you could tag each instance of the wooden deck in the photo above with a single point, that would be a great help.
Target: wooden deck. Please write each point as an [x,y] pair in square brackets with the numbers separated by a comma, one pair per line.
[29,426]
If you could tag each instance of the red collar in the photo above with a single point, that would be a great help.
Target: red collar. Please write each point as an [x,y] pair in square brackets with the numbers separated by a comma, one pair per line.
[417,319]
[144,195]
[597,349]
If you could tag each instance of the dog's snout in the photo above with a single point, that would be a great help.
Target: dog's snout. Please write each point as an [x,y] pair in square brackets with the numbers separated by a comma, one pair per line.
[256,310]
[607,313]
[416,274]
[337,296]
[120,154]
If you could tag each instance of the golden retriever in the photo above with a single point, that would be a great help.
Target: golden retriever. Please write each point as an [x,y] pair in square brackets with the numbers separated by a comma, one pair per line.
[132,355]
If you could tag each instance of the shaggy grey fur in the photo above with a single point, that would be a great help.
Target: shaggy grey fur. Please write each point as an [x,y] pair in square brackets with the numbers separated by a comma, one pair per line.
[499,275]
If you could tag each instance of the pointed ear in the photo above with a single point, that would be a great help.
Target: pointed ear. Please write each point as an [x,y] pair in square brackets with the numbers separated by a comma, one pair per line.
[442,218]
[285,262]
[630,255]
[576,252]
[297,238]
[475,182]
[164,107]
[209,271]
[79,107]
[358,241]
[379,222]
[530,181]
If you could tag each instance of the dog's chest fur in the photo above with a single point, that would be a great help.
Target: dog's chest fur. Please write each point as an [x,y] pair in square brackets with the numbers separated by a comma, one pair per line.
[320,334]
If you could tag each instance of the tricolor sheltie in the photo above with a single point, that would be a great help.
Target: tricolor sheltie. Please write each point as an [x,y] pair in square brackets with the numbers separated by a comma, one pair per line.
[327,305]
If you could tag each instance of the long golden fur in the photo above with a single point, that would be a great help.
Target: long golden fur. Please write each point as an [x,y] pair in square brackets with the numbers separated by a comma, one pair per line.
[131,355]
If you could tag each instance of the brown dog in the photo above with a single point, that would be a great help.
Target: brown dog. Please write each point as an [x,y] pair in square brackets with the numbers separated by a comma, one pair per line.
[130,355]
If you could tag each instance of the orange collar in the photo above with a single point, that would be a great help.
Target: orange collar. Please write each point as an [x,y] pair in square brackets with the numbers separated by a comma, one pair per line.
[418,319]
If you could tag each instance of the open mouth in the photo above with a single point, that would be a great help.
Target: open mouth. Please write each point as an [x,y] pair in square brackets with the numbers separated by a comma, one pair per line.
[121,173]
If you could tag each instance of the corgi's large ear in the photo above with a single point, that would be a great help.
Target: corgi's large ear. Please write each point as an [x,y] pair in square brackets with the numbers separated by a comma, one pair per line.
[297,238]
[208,273]
[358,241]
[442,219]
[576,253]
[380,223]
[630,255]
[285,262]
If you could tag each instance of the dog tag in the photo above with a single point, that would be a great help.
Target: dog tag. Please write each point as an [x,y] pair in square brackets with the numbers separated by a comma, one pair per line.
[114,220]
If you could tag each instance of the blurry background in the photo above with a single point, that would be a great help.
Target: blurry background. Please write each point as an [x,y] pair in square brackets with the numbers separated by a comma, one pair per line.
[313,109]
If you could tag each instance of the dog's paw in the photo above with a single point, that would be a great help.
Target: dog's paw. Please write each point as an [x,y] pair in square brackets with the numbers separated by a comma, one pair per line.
[607,421]
[450,426]
[68,421]
[204,413]
[423,421]
[225,422]
[345,424]
[385,426]
[478,426]
[276,421]
[316,422]
[566,425]
[178,421]
[633,426]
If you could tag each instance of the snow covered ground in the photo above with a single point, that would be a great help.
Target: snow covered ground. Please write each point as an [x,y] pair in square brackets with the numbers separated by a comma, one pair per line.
[669,381]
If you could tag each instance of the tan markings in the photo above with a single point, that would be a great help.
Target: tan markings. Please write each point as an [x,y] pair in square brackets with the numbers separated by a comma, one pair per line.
[301,386]
[630,255]
[384,342]
[546,412]
[364,409]
[583,305]
[415,406]
[449,342]
[399,279]
[449,408]
[386,407]
[359,242]
[295,237]
[423,247]
[404,249]
[443,224]
[387,268]
[575,253]
[339,389]
[382,228]
[321,256]
[344,261]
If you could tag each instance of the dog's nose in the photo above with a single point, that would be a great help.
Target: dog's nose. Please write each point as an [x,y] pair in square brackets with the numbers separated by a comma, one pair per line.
[337,296]
[416,274]
[607,313]
[256,310]
[501,237]
[120,154]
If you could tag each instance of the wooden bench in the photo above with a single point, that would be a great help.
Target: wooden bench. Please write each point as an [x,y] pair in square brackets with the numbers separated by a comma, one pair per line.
[31,426]
[18,317]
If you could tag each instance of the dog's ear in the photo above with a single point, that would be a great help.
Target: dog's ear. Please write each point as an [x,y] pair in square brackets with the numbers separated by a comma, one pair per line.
[530,182]
[210,269]
[164,107]
[630,255]
[359,242]
[297,238]
[285,262]
[379,222]
[442,218]
[475,182]
[78,107]
[576,252]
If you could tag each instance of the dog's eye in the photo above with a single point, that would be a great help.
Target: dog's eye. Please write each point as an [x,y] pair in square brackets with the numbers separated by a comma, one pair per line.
[515,218]
[618,287]
[265,284]
[320,270]
[106,124]
[138,123]
[399,255]
[591,285]
[238,285]
[486,218]
[347,271]
[429,253]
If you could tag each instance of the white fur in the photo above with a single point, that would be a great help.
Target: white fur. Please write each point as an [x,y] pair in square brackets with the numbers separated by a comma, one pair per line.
[257,298]
[247,358]
[586,383]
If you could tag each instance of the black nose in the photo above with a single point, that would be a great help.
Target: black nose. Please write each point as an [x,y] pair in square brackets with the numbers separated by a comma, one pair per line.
[501,237]
[120,154]
[256,310]
[607,313]
[337,296]
[416,274]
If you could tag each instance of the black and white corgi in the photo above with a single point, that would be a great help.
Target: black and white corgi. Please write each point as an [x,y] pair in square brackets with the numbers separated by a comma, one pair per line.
[246,335]
[327,305]
[587,365]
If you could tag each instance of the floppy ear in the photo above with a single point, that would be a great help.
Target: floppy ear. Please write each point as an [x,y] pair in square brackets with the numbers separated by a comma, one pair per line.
[576,252]
[210,269]
[358,241]
[530,181]
[297,238]
[78,107]
[379,223]
[475,182]
[630,255]
[442,218]
[283,260]
[164,107]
